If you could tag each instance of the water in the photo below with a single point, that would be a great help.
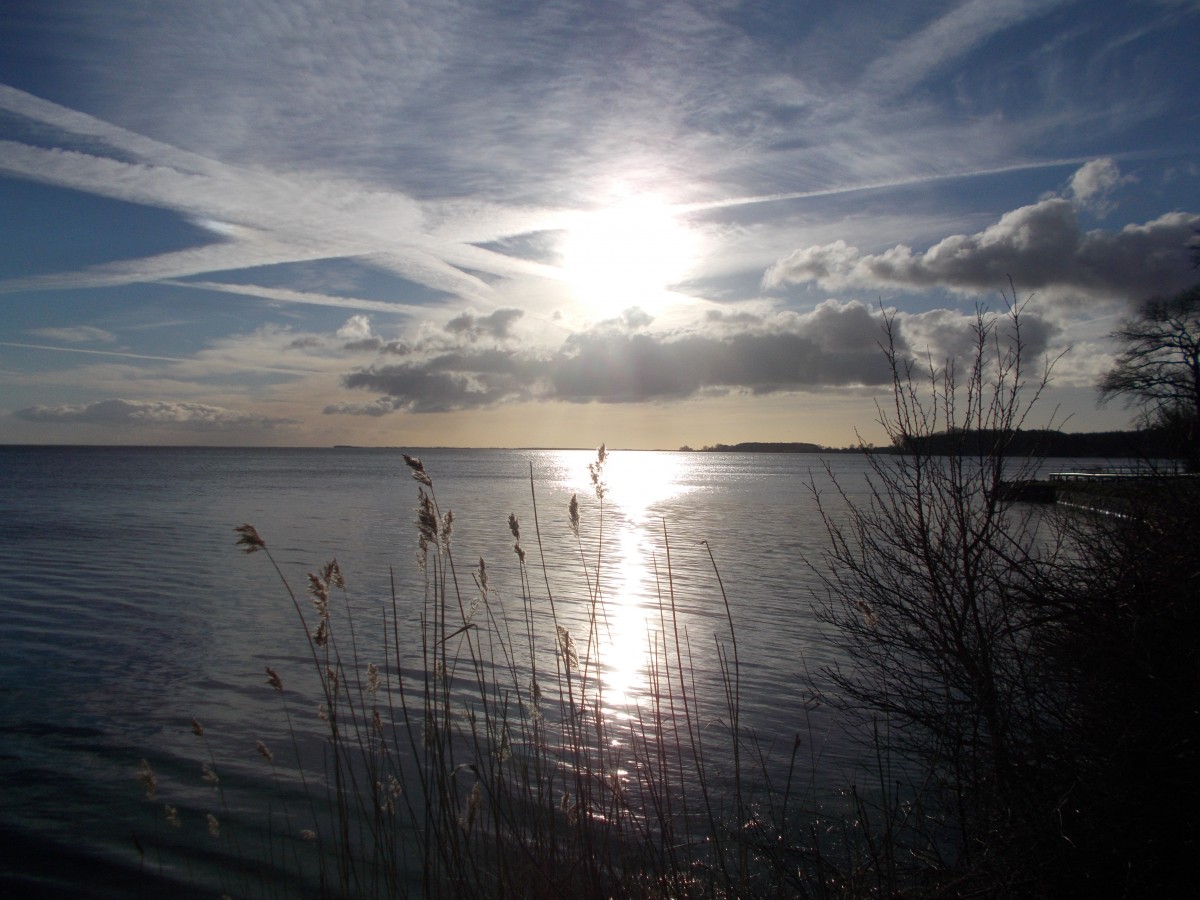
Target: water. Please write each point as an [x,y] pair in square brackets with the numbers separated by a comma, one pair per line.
[126,611]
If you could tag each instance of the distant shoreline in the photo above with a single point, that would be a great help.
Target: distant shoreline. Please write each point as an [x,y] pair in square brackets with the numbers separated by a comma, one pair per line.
[1147,444]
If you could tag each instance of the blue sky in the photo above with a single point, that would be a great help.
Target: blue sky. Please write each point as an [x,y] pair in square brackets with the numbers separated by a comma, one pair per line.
[295,222]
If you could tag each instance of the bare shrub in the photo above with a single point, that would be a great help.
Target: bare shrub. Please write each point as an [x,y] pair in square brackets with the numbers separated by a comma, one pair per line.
[935,589]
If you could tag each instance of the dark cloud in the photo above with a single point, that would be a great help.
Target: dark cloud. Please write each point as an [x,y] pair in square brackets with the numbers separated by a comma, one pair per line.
[197,416]
[465,379]
[379,407]
[946,334]
[1041,246]
[495,325]
[837,345]
[379,345]
[363,345]
[732,318]
[834,346]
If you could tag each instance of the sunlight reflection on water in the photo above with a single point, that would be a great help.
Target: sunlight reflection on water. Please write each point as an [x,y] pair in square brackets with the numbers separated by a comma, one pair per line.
[633,485]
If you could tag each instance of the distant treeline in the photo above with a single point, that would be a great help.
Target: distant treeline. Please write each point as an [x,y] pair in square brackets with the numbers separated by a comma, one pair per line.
[1154,443]
[763,447]
[1148,444]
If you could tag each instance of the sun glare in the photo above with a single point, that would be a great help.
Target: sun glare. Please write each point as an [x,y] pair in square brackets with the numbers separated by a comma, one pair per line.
[635,482]
[626,255]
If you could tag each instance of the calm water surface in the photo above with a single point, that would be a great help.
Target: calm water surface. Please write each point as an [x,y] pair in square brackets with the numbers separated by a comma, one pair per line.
[125,610]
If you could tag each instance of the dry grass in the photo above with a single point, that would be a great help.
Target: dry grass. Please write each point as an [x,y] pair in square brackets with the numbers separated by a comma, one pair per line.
[490,763]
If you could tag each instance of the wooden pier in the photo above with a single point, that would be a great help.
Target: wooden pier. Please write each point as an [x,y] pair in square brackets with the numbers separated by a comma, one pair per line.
[1115,491]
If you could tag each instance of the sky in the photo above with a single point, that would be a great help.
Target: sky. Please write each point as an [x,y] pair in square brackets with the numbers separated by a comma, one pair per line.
[650,224]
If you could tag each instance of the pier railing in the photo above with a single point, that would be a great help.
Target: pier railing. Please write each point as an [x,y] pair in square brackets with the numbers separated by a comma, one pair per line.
[1111,489]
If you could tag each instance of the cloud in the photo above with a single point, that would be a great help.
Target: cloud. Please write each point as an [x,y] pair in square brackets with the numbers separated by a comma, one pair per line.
[1041,246]
[560,119]
[943,334]
[635,318]
[263,216]
[161,413]
[1092,186]
[497,324]
[836,345]
[951,37]
[363,345]
[456,148]
[355,328]
[285,295]
[77,334]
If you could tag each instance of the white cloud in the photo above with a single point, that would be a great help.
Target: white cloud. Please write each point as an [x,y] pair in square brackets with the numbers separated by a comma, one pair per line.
[267,217]
[355,328]
[285,295]
[1092,186]
[1041,247]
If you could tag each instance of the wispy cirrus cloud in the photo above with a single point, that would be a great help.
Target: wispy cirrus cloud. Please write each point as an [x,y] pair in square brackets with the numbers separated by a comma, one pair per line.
[76,334]
[563,124]
[258,217]
[950,37]
[286,295]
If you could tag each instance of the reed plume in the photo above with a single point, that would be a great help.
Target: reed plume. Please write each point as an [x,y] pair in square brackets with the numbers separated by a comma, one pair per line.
[149,780]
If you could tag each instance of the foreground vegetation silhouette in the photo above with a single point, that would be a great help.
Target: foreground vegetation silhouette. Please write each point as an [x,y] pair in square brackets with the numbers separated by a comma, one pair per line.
[1028,673]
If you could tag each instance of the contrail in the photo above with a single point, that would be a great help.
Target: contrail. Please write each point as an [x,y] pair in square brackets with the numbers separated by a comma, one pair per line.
[287,296]
[872,186]
[175,359]
[93,352]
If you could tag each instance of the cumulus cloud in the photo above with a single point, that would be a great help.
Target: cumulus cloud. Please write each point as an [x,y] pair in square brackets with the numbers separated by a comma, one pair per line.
[357,336]
[635,317]
[946,334]
[1041,246]
[355,328]
[741,318]
[1092,186]
[160,413]
[835,345]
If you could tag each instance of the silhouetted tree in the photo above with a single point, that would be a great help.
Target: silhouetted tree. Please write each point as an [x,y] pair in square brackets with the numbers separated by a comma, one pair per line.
[1027,676]
[1158,369]
[929,583]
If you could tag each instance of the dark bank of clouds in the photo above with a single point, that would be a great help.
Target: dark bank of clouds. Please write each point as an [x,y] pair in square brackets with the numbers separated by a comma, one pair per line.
[835,346]
[1041,246]
[497,325]
[157,413]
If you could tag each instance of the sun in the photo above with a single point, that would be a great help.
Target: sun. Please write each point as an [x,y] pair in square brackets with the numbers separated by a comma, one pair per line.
[625,255]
